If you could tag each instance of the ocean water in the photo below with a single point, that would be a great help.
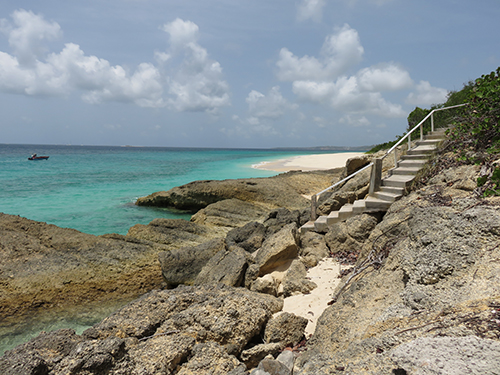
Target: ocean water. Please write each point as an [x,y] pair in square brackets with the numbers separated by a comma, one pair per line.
[93,189]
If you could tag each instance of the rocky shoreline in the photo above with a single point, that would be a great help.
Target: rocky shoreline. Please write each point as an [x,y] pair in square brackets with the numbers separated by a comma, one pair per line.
[423,296]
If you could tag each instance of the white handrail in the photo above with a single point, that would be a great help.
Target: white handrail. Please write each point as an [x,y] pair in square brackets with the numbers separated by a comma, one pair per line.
[393,148]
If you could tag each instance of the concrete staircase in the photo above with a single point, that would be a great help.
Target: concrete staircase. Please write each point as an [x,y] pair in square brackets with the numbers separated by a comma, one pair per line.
[392,186]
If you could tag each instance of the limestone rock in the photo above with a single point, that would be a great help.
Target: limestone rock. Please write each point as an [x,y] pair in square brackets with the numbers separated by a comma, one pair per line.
[44,267]
[284,190]
[278,218]
[448,355]
[252,356]
[350,235]
[266,284]
[211,358]
[231,213]
[227,266]
[295,280]
[313,248]
[272,367]
[182,266]
[286,328]
[278,250]
[249,237]
[175,233]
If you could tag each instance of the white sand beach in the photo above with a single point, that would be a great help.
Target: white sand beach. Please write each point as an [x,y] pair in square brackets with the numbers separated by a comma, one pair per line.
[309,162]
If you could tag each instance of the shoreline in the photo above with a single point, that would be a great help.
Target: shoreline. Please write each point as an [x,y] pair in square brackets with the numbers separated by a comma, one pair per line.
[308,162]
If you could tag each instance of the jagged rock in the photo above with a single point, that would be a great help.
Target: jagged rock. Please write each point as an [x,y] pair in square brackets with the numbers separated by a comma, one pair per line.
[295,280]
[356,163]
[350,235]
[252,356]
[40,354]
[266,284]
[44,267]
[278,218]
[229,213]
[272,367]
[277,250]
[448,355]
[287,358]
[188,329]
[228,267]
[286,328]
[249,237]
[211,358]
[313,248]
[182,266]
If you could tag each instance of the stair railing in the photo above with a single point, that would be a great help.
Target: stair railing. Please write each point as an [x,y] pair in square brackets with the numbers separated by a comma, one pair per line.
[376,175]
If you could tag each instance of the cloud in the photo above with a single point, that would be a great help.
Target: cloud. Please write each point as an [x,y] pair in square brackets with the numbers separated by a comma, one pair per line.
[339,52]
[310,9]
[388,77]
[426,95]
[196,83]
[271,106]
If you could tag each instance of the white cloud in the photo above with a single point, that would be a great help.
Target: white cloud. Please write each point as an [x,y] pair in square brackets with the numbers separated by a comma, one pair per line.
[356,121]
[28,34]
[426,95]
[271,106]
[384,78]
[310,9]
[340,51]
[196,84]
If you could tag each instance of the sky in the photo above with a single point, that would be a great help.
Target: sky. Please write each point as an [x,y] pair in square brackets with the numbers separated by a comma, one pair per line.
[234,73]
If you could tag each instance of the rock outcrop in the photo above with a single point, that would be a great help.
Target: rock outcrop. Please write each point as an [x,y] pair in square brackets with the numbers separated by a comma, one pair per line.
[429,289]
[188,330]
[45,267]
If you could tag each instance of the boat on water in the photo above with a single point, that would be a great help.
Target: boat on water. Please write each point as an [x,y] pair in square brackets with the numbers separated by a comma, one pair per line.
[36,157]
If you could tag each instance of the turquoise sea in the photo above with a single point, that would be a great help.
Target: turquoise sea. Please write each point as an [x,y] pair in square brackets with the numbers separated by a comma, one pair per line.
[93,189]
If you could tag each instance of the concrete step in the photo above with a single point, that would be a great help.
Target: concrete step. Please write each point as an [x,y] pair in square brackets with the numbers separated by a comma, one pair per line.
[416,156]
[392,190]
[405,171]
[429,142]
[345,212]
[399,181]
[412,163]
[332,218]
[385,196]
[307,227]
[373,204]
[320,224]
[421,150]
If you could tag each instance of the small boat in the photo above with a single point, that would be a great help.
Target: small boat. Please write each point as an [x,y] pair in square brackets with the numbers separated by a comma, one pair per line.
[36,157]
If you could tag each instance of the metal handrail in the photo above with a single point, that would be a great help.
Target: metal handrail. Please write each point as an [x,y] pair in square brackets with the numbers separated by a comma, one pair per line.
[408,135]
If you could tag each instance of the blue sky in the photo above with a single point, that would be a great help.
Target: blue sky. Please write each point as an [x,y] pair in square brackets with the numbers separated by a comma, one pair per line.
[220,73]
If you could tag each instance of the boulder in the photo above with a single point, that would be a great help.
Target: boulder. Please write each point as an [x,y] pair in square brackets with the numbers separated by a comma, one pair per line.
[272,367]
[266,284]
[278,218]
[349,236]
[252,356]
[227,266]
[182,266]
[249,237]
[286,328]
[313,248]
[294,280]
[278,250]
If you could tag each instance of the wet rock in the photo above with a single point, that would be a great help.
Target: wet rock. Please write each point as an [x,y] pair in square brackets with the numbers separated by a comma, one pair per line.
[182,266]
[286,328]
